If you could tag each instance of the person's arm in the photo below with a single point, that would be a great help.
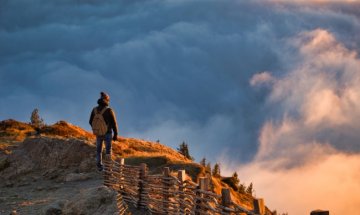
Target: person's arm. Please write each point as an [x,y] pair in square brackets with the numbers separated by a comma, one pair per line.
[91,117]
[113,124]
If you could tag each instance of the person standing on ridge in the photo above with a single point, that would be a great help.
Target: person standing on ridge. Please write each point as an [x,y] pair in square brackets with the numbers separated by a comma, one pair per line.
[103,123]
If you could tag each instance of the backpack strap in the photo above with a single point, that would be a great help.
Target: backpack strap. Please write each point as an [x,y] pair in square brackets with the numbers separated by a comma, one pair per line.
[103,110]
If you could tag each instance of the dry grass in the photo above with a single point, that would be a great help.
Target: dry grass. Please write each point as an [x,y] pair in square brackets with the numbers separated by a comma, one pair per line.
[11,130]
[65,129]
[244,200]
[130,147]
[14,130]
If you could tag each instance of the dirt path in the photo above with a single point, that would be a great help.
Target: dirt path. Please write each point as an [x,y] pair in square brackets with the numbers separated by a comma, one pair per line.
[31,196]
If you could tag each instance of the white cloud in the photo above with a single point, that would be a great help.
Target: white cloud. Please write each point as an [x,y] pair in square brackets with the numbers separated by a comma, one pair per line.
[325,85]
[302,162]
[262,78]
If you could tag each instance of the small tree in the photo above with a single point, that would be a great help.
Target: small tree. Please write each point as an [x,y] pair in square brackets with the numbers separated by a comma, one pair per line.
[203,162]
[35,119]
[208,167]
[235,178]
[242,188]
[249,189]
[184,150]
[216,170]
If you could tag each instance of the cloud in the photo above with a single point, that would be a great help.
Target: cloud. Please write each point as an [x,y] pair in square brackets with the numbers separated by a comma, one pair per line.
[309,155]
[321,93]
[261,78]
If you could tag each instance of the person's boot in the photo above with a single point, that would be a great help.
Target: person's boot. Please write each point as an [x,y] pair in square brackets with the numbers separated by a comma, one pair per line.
[100,167]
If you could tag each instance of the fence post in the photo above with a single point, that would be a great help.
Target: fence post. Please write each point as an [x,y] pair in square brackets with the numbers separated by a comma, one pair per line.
[120,177]
[166,190]
[203,185]
[206,183]
[259,206]
[225,199]
[142,203]
[181,178]
[107,171]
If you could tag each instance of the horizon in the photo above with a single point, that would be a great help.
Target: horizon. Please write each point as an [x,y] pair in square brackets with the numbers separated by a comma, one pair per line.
[267,88]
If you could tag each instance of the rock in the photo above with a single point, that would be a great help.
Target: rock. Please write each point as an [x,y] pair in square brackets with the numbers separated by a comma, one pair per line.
[54,209]
[24,181]
[39,188]
[319,212]
[76,177]
[23,184]
[35,178]
[52,174]
[52,188]
[46,153]
[96,201]
[53,156]
[4,163]
[9,184]
[87,165]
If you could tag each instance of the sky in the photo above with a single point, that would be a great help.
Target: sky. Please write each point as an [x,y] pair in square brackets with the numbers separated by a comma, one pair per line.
[268,88]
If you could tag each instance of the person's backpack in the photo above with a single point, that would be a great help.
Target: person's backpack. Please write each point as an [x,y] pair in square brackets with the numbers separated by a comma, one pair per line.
[98,125]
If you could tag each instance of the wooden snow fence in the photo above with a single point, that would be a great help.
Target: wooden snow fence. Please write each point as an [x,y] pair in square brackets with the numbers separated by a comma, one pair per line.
[167,194]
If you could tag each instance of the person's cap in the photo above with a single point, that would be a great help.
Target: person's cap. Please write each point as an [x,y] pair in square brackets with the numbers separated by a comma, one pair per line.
[104,96]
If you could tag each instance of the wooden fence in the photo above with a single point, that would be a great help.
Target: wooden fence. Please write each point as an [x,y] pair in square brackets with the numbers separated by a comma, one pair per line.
[166,194]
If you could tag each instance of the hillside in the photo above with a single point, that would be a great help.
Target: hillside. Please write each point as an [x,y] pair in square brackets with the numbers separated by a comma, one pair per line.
[47,167]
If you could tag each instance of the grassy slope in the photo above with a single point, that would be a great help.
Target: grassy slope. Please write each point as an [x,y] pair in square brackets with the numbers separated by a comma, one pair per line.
[135,151]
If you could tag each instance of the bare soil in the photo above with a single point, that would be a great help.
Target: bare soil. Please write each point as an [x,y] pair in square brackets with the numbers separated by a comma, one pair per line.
[32,193]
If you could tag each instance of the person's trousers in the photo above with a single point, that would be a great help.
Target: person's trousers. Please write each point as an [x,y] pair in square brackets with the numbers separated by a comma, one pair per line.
[99,143]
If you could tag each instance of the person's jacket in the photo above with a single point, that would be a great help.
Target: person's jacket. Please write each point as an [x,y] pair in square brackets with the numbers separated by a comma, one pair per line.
[109,117]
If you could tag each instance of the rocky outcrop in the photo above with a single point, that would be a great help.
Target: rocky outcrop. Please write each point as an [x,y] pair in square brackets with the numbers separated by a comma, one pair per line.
[50,155]
[47,153]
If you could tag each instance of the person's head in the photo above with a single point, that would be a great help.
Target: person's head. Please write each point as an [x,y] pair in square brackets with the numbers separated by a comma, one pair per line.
[104,99]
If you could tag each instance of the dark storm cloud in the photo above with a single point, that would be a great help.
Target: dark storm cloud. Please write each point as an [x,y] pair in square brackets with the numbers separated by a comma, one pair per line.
[175,70]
